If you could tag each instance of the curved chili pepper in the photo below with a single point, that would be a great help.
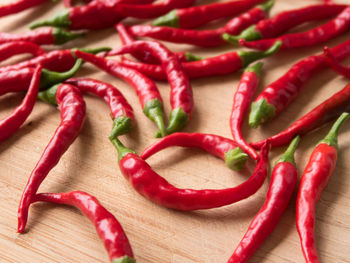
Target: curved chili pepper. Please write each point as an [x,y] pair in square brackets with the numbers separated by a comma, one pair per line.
[335,65]
[11,124]
[146,90]
[72,108]
[107,226]
[323,113]
[277,95]
[314,179]
[121,110]
[218,146]
[155,188]
[283,181]
[241,102]
[19,6]
[200,15]
[214,66]
[19,47]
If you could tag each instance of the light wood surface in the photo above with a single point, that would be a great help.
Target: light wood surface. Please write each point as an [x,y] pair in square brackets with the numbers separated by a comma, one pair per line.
[62,234]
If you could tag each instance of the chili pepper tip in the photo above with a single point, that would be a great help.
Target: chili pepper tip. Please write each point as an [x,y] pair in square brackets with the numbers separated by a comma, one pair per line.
[170,19]
[60,20]
[288,155]
[125,259]
[153,109]
[332,136]
[122,150]
[62,36]
[235,159]
[260,112]
[191,57]
[121,125]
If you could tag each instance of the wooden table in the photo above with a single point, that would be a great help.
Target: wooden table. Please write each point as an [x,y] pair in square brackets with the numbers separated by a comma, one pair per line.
[62,234]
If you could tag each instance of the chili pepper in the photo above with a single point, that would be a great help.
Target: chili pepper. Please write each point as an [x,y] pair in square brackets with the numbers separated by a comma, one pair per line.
[19,47]
[314,179]
[336,66]
[107,226]
[203,38]
[181,95]
[277,96]
[155,188]
[121,110]
[317,35]
[214,66]
[11,124]
[146,90]
[19,80]
[200,15]
[19,6]
[283,181]
[72,108]
[323,113]
[241,101]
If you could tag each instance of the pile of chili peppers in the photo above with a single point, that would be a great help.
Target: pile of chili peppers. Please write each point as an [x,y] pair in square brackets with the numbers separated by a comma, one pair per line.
[48,76]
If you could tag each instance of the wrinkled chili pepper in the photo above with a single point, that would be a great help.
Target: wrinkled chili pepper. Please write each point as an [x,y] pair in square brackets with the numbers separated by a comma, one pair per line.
[17,6]
[277,95]
[283,181]
[11,124]
[107,226]
[241,102]
[314,179]
[334,63]
[214,66]
[72,108]
[8,50]
[200,15]
[155,188]
[146,90]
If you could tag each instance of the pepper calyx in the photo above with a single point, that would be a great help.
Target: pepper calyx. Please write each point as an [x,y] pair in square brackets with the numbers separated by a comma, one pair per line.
[260,112]
[59,20]
[288,155]
[121,125]
[332,137]
[62,36]
[125,259]
[192,57]
[49,95]
[153,109]
[170,19]
[256,68]
[235,159]
[122,150]
[177,120]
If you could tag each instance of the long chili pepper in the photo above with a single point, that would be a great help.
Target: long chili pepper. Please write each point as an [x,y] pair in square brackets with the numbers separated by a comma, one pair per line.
[200,15]
[241,102]
[181,95]
[146,90]
[72,108]
[8,50]
[283,181]
[155,188]
[19,6]
[277,95]
[317,35]
[314,179]
[107,226]
[11,124]
[323,113]
[121,110]
[214,66]
[334,63]
[204,38]
[223,148]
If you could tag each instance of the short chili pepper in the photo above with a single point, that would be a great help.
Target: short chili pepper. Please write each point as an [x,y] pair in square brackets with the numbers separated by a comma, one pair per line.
[12,123]
[8,50]
[277,95]
[314,179]
[155,188]
[241,102]
[72,108]
[200,15]
[214,66]
[18,6]
[323,113]
[107,226]
[146,90]
[283,181]
[334,63]
[121,110]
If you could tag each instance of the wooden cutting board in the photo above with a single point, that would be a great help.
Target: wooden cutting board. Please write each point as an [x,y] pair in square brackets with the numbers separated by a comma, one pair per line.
[63,234]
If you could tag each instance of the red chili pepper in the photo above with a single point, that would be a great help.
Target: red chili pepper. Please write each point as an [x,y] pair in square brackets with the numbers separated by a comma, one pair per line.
[314,179]
[155,188]
[277,96]
[146,90]
[200,15]
[334,63]
[214,66]
[283,181]
[241,102]
[121,110]
[107,226]
[19,47]
[11,124]
[72,107]
[18,6]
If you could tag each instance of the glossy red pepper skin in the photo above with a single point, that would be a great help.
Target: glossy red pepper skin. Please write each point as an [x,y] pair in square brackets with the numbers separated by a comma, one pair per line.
[8,50]
[107,226]
[335,64]
[72,108]
[13,122]
[18,6]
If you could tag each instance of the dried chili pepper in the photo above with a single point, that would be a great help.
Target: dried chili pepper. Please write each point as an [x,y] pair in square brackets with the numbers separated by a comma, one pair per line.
[334,63]
[19,6]
[241,102]
[11,124]
[314,179]
[107,226]
[8,50]
[155,188]
[200,15]
[72,108]
[283,181]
